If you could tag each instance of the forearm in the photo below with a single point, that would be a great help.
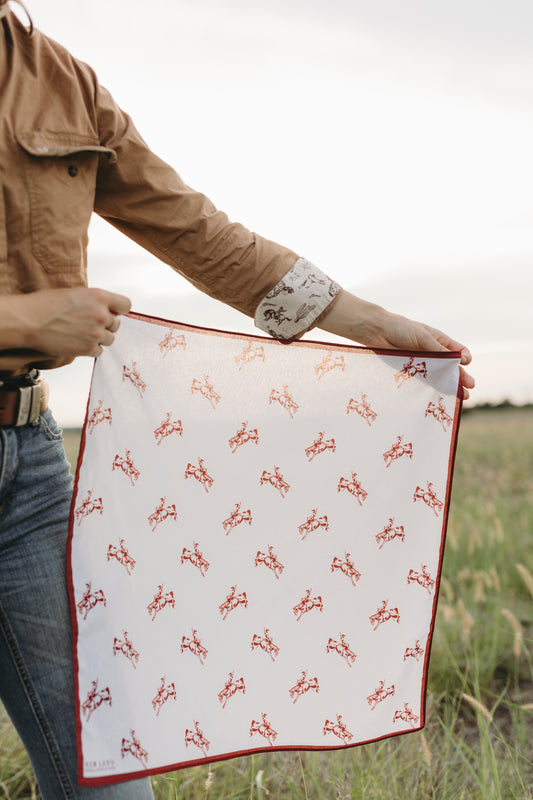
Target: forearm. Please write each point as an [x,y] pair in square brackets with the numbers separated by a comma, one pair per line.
[373,326]
[353,318]
[14,322]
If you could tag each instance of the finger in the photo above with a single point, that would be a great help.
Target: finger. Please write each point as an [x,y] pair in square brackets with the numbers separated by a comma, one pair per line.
[452,344]
[107,338]
[113,324]
[466,355]
[467,382]
[118,303]
[467,379]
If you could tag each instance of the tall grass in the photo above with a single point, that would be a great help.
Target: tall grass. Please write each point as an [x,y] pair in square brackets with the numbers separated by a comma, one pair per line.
[477,744]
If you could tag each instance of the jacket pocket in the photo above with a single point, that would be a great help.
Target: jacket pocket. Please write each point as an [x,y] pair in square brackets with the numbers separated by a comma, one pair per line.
[60,173]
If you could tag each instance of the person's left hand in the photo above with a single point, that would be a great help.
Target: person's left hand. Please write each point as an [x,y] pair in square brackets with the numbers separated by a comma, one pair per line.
[373,326]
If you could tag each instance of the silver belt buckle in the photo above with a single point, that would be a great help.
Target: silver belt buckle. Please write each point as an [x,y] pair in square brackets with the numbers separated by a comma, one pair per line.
[29,404]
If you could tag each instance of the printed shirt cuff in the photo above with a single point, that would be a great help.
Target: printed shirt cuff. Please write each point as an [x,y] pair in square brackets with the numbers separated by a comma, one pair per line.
[296,301]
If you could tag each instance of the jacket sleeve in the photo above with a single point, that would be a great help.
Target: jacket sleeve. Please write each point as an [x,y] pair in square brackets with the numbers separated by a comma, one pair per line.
[146,199]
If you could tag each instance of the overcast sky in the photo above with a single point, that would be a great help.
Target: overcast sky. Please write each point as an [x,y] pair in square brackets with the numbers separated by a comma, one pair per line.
[390,143]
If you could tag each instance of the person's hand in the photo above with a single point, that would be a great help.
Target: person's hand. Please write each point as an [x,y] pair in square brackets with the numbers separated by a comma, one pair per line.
[372,326]
[68,322]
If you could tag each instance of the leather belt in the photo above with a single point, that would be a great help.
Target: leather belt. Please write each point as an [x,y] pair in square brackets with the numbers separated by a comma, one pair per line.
[22,399]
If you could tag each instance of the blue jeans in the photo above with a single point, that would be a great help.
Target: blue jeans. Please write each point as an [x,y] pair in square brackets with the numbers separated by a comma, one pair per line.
[36,681]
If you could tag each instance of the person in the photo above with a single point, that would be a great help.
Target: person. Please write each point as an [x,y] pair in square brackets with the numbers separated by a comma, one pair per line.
[67,150]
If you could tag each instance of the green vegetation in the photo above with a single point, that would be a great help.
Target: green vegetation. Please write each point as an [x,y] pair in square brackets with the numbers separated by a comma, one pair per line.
[477,744]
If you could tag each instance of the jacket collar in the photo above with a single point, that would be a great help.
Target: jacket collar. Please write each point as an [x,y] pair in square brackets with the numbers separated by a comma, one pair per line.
[4,10]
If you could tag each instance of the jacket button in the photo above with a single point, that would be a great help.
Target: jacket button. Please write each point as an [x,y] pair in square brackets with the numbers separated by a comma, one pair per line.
[72,170]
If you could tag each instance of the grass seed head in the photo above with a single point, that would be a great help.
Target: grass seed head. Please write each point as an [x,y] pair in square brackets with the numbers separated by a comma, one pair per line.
[447,612]
[261,788]
[526,576]
[497,530]
[517,628]
[479,589]
[208,781]
[477,706]
[446,589]
[475,540]
[466,618]
[463,576]
[426,751]
[495,579]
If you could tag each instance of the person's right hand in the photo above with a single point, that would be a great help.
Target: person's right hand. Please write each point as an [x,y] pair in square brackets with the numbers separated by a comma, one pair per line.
[68,322]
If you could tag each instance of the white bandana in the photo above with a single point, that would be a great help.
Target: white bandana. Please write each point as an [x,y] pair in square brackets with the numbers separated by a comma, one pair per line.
[256,544]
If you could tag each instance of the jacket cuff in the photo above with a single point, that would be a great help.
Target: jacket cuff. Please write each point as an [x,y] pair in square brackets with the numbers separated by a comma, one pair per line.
[296,301]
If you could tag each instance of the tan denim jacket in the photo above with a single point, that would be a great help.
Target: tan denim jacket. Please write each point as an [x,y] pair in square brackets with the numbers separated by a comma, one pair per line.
[67,149]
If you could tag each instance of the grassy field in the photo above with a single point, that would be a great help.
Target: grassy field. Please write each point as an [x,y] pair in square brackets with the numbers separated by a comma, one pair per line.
[478,741]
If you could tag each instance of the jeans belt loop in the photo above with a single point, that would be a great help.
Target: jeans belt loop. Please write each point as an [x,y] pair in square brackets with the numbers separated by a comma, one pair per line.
[29,405]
